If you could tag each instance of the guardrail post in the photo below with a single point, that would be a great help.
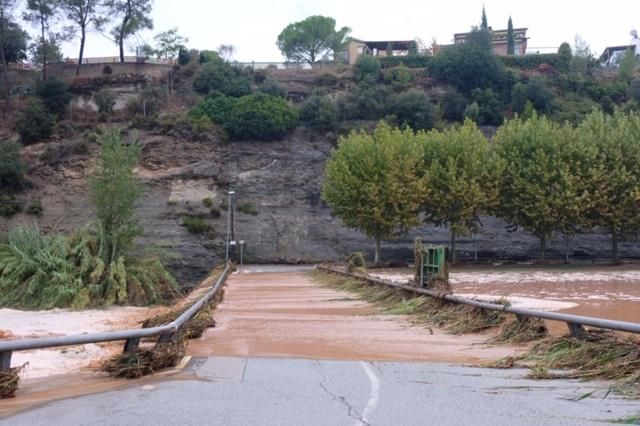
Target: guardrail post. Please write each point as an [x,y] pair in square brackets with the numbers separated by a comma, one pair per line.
[131,345]
[575,329]
[5,360]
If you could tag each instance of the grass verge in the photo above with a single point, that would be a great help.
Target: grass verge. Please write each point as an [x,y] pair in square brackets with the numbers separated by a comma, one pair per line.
[453,317]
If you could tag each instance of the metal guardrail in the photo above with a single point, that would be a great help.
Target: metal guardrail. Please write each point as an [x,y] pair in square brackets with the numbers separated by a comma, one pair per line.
[574,322]
[131,336]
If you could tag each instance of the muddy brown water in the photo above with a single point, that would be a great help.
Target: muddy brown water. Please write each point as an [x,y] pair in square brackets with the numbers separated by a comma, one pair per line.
[291,315]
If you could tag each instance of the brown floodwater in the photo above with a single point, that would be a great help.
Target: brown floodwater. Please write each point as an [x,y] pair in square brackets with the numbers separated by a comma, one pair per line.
[598,291]
[290,315]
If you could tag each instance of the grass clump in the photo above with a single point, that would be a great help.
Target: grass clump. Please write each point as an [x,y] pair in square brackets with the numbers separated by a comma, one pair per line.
[10,205]
[38,271]
[522,330]
[453,317]
[591,355]
[196,225]
[35,208]
[248,208]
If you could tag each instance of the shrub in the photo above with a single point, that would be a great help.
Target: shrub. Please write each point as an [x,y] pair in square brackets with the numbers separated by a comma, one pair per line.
[259,76]
[81,147]
[634,89]
[196,225]
[208,56]
[183,57]
[193,127]
[106,70]
[35,123]
[54,95]
[413,108]
[215,212]
[217,108]
[45,272]
[11,166]
[247,208]
[261,117]
[490,107]
[415,61]
[148,103]
[208,202]
[273,88]
[105,100]
[9,205]
[326,79]
[472,112]
[400,77]
[529,62]
[535,91]
[367,68]
[220,77]
[453,105]
[35,208]
[366,102]
[319,112]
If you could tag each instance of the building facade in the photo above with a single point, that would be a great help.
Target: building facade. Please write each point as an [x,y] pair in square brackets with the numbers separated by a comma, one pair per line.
[499,40]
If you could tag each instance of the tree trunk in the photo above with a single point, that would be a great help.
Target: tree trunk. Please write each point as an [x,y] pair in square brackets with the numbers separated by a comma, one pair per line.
[121,43]
[5,66]
[543,247]
[83,38]
[44,49]
[376,256]
[566,249]
[614,245]
[452,257]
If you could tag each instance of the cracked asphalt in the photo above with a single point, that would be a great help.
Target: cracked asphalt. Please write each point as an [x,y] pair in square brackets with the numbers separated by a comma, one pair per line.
[286,391]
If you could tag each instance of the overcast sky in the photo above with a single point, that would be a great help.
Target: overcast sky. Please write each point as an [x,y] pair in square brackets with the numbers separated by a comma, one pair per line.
[252,26]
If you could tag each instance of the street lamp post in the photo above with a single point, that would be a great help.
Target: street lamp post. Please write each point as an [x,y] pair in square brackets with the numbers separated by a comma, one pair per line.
[241,246]
[230,193]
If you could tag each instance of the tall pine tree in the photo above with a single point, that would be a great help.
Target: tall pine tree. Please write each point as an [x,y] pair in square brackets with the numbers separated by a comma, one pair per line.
[511,41]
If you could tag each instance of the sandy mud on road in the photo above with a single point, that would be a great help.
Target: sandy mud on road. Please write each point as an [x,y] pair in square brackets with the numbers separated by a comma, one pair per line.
[290,315]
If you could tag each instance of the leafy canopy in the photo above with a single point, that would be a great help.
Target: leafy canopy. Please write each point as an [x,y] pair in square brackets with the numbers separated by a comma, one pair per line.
[311,39]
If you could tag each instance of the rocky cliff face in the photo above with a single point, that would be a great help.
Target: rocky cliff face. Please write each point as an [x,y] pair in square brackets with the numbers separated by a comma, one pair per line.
[280,180]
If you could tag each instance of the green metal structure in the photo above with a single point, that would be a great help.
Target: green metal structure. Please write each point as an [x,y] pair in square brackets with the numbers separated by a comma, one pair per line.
[433,266]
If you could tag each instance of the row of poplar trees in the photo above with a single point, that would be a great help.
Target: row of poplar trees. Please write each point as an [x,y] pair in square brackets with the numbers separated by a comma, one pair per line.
[544,177]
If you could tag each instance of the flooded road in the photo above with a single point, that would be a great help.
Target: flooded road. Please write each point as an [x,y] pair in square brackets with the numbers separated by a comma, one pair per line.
[284,314]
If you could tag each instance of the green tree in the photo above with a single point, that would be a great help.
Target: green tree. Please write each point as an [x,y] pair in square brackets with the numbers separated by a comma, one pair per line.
[542,188]
[462,179]
[412,49]
[614,179]
[564,55]
[114,192]
[372,182]
[11,166]
[627,65]
[35,123]
[490,106]
[367,69]
[311,39]
[44,14]
[43,54]
[84,14]
[389,49]
[219,77]
[471,65]
[134,17]
[511,41]
[54,95]
[483,22]
[167,44]
[13,42]
[105,99]
[536,91]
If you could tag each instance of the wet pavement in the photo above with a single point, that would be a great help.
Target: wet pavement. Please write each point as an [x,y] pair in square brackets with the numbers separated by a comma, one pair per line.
[235,391]
[288,314]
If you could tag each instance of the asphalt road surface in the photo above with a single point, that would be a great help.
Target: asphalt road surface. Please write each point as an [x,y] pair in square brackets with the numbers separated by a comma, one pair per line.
[285,391]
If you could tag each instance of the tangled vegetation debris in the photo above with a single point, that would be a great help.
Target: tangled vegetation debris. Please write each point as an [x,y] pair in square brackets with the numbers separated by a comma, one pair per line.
[9,381]
[522,330]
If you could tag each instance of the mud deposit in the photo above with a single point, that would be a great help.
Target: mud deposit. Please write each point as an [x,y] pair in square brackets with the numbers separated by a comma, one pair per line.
[289,315]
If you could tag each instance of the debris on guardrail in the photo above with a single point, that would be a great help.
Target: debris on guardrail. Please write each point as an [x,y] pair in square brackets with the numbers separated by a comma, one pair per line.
[522,330]
[9,381]
[144,361]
